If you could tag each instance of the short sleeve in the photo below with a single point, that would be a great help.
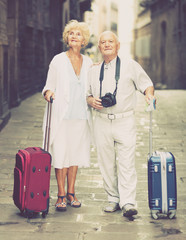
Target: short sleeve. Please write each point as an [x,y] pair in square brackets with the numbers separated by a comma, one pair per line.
[140,77]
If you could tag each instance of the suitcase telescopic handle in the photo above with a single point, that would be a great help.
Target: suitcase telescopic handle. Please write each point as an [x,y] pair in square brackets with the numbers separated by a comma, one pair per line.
[48,123]
[150,109]
[150,134]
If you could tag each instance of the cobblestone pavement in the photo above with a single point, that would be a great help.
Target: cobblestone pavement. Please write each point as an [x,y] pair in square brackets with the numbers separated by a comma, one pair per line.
[90,222]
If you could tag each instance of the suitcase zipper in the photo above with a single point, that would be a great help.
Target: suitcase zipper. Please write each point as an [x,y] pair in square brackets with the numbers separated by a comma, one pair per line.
[27,156]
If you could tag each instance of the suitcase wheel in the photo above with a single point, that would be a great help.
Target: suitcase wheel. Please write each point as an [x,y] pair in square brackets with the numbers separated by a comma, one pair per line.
[154,214]
[44,214]
[172,214]
[29,214]
[22,212]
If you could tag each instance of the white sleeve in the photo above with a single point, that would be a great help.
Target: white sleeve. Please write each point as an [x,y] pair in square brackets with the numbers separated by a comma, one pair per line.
[51,78]
[89,88]
[140,77]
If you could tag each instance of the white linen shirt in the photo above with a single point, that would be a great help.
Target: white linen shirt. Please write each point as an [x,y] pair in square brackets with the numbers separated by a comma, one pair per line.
[77,108]
[132,77]
[58,81]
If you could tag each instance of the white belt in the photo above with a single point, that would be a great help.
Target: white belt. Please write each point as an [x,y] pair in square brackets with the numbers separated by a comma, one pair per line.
[112,116]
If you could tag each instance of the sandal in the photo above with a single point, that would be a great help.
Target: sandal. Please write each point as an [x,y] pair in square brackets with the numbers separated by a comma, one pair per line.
[63,206]
[71,203]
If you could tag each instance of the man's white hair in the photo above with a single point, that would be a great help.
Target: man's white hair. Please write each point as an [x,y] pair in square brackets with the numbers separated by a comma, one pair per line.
[105,32]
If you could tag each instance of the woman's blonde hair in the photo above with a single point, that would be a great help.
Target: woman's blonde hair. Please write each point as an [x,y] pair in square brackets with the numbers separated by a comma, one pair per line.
[74,24]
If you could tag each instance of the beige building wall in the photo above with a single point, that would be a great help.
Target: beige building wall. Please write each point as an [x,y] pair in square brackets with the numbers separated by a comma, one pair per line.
[160,38]
[104,16]
[114,15]
[126,17]
[142,37]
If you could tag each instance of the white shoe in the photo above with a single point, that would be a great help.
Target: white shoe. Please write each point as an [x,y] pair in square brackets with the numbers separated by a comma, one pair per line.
[111,207]
[129,210]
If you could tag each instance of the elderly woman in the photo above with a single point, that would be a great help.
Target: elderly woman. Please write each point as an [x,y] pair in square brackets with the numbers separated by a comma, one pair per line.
[70,131]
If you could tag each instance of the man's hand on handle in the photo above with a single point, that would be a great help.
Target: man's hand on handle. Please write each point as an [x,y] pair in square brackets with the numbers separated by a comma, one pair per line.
[150,98]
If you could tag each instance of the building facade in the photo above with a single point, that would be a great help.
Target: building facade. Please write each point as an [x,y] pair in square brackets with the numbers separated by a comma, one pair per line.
[4,65]
[30,35]
[142,37]
[125,27]
[103,16]
[167,33]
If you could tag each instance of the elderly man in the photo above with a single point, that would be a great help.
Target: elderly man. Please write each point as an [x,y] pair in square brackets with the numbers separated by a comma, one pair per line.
[112,94]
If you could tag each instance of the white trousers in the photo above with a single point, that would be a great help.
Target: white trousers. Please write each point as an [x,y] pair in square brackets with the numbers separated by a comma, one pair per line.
[116,143]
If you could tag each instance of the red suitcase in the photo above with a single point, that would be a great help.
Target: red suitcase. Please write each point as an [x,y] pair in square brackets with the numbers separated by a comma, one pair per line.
[32,177]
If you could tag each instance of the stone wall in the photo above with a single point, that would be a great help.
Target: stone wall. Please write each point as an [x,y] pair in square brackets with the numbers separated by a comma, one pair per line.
[166,63]
[168,44]
[30,35]
[4,65]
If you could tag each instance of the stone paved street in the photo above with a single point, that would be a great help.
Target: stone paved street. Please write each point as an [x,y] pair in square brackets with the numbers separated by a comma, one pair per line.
[90,222]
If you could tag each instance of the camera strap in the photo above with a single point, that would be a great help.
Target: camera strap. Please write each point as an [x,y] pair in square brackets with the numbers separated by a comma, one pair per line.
[117,75]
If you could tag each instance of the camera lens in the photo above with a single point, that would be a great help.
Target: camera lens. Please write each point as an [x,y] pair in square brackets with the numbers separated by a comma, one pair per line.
[108,100]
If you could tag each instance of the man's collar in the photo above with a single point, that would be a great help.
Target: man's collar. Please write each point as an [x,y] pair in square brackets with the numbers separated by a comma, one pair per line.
[112,63]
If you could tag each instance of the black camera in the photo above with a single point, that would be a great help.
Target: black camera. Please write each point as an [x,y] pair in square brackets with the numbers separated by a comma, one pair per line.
[108,100]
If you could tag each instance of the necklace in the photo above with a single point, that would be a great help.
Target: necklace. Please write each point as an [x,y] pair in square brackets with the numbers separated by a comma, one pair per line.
[76,63]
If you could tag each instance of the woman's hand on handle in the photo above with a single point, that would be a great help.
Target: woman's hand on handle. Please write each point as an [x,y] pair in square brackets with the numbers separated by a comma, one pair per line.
[48,94]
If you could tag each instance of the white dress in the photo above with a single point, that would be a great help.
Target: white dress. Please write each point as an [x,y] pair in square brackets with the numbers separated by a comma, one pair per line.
[70,145]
